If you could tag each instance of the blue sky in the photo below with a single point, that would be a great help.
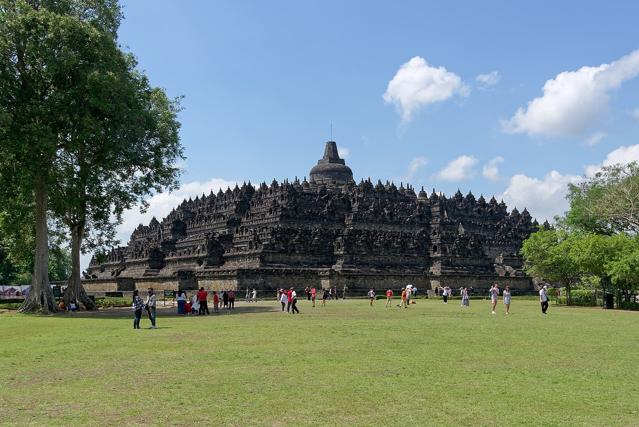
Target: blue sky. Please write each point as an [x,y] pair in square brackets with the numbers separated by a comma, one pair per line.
[263,81]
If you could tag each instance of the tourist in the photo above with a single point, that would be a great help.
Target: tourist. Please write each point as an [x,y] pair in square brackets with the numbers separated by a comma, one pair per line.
[543,298]
[62,306]
[335,293]
[283,299]
[73,306]
[344,292]
[225,299]
[313,295]
[289,300]
[181,302]
[254,295]
[216,302]
[325,296]
[195,305]
[506,295]
[247,297]
[307,293]
[294,302]
[201,298]
[231,300]
[445,294]
[137,306]
[188,307]
[389,298]
[330,293]
[409,292]
[151,307]
[414,292]
[465,298]
[494,295]
[371,296]
[402,302]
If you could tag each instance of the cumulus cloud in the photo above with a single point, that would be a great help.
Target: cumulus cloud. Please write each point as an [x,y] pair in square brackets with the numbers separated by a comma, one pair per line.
[463,167]
[623,155]
[544,198]
[573,101]
[488,80]
[418,84]
[491,169]
[343,152]
[413,167]
[595,138]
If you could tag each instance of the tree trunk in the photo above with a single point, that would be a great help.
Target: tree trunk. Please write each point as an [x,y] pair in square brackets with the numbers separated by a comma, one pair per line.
[75,291]
[40,297]
[568,299]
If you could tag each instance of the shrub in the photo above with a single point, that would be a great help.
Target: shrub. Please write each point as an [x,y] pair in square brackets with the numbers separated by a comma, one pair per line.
[584,297]
[629,305]
[112,302]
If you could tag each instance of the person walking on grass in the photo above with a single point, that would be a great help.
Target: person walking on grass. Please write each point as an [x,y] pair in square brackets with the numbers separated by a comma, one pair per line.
[225,299]
[313,295]
[231,300]
[283,299]
[389,298]
[506,295]
[371,296]
[402,302]
[294,308]
[494,295]
[465,298]
[254,295]
[543,298]
[324,297]
[445,295]
[289,300]
[137,306]
[409,292]
[151,307]
[216,302]
[204,306]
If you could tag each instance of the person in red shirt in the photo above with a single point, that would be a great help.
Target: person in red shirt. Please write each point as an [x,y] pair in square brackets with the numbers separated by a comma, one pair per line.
[389,298]
[201,297]
[231,300]
[188,309]
[313,295]
[289,298]
[216,302]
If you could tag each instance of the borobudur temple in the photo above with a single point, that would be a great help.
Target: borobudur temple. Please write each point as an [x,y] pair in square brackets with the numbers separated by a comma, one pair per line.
[328,231]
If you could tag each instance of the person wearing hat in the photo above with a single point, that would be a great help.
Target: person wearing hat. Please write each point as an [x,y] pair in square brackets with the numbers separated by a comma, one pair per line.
[543,298]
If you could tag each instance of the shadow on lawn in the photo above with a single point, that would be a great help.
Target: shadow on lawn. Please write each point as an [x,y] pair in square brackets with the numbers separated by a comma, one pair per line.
[166,312]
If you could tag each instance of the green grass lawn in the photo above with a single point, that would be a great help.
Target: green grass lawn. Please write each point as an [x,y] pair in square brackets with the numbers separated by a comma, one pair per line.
[344,364]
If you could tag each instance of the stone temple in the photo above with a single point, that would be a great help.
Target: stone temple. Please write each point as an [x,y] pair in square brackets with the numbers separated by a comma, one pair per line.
[325,232]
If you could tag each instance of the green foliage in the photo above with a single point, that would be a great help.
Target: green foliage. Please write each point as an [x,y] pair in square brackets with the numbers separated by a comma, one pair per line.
[583,297]
[607,202]
[106,302]
[546,255]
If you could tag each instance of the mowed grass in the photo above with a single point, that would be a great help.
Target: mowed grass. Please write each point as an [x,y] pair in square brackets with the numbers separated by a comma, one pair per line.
[343,364]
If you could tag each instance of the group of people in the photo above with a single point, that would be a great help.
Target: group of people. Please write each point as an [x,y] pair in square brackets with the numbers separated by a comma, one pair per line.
[288,299]
[198,303]
[407,293]
[150,306]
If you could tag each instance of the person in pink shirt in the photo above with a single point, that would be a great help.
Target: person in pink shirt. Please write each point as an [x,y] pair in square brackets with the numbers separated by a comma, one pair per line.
[313,295]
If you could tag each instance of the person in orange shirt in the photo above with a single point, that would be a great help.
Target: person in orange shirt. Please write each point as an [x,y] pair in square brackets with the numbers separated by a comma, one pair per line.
[403,303]
[389,298]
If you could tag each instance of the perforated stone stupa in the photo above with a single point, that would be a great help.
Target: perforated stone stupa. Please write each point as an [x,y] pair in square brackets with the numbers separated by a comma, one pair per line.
[328,231]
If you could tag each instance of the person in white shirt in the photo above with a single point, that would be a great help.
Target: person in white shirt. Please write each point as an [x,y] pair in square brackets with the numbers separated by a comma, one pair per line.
[543,298]
[254,295]
[494,295]
[371,296]
[294,308]
[445,295]
[181,302]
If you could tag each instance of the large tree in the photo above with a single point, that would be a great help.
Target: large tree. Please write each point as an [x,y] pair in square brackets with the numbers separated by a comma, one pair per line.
[58,62]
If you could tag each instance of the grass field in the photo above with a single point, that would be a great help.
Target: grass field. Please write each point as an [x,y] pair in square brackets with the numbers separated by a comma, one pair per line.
[344,364]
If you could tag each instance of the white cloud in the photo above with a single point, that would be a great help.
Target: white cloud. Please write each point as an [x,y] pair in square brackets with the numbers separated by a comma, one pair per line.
[623,155]
[491,169]
[413,167]
[344,152]
[544,198]
[635,113]
[417,84]
[459,169]
[573,101]
[488,80]
[595,138]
